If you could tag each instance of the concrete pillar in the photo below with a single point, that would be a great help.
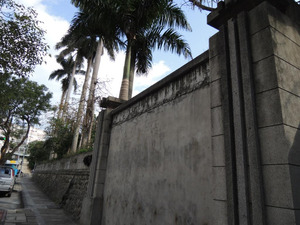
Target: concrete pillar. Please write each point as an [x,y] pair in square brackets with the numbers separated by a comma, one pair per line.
[242,61]
[275,41]
[92,206]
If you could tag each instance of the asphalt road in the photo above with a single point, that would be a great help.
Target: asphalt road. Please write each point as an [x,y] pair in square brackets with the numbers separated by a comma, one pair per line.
[14,201]
[28,205]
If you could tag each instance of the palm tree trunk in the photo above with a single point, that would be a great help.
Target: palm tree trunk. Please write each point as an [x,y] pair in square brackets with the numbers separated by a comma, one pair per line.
[60,109]
[81,107]
[90,104]
[69,88]
[126,74]
[131,76]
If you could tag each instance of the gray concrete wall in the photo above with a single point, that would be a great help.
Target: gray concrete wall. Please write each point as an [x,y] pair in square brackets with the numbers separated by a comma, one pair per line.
[64,181]
[214,143]
[219,194]
[159,163]
[71,163]
[273,63]
[275,41]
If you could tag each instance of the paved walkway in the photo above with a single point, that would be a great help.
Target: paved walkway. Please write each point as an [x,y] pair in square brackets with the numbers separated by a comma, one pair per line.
[38,208]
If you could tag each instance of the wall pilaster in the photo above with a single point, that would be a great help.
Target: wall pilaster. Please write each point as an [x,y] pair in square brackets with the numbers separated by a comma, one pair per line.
[254,75]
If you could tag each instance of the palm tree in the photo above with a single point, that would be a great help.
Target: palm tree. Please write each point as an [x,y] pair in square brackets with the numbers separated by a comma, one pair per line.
[89,115]
[90,55]
[112,20]
[133,17]
[155,37]
[85,30]
[138,17]
[70,47]
[64,75]
[95,21]
[79,38]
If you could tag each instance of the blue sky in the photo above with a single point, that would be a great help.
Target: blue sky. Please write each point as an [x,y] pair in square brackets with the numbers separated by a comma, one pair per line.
[56,16]
[62,8]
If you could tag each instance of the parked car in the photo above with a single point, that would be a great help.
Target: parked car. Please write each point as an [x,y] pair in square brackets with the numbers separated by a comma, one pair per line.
[7,180]
[13,164]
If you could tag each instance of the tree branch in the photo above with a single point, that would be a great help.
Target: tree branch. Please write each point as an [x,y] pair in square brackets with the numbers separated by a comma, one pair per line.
[201,6]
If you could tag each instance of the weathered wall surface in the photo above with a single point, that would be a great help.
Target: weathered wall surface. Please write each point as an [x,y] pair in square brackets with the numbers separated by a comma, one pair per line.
[276,58]
[159,163]
[273,64]
[215,143]
[64,181]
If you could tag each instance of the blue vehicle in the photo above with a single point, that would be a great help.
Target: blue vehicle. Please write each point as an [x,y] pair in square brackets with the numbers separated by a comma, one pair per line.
[14,165]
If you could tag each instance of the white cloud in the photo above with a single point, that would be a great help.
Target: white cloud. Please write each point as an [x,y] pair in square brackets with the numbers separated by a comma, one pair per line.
[30,3]
[55,28]
[157,72]
[112,71]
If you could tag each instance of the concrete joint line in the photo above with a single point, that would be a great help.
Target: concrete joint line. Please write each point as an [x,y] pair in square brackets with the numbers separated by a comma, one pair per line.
[251,129]
[239,124]
[240,129]
[231,184]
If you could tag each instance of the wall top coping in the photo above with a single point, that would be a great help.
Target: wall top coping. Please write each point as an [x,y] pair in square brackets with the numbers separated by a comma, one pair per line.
[111,102]
[204,57]
[230,9]
[72,163]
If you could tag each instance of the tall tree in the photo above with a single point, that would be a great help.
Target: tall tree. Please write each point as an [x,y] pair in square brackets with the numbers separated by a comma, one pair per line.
[149,39]
[95,20]
[79,35]
[89,115]
[71,44]
[38,153]
[136,17]
[131,18]
[22,45]
[64,74]
[22,102]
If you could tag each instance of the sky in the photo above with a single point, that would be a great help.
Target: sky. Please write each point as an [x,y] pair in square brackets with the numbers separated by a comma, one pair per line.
[56,16]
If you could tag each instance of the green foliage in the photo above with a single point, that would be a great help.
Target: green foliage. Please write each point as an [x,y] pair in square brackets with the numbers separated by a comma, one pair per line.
[64,74]
[145,25]
[37,153]
[22,44]
[60,137]
[22,99]
[84,150]
[22,102]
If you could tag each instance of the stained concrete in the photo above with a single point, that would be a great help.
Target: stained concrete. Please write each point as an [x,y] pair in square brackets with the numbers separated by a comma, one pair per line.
[159,163]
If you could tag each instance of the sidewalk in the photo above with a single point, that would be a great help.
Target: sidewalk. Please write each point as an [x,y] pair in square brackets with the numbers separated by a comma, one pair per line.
[38,208]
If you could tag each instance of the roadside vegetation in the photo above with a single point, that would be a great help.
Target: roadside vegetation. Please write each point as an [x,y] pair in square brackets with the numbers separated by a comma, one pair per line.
[22,47]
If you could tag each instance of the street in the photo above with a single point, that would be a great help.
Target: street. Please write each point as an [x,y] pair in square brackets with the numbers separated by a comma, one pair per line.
[13,202]
[28,205]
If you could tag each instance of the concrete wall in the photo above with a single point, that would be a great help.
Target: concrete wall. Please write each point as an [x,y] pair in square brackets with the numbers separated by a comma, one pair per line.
[254,62]
[159,163]
[64,181]
[275,41]
[217,55]
[216,142]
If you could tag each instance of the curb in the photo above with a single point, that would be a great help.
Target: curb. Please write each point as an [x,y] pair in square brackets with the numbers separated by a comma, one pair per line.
[3,213]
